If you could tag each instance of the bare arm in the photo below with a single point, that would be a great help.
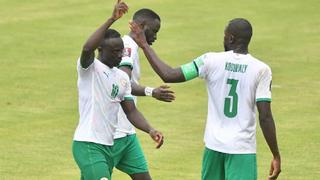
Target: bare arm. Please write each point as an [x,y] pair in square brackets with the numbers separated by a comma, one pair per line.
[137,119]
[87,54]
[269,131]
[166,72]
[161,93]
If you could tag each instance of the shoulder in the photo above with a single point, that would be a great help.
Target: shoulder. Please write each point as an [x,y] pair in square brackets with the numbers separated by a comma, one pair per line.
[128,42]
[216,55]
[94,63]
[211,58]
[260,64]
[121,74]
[261,67]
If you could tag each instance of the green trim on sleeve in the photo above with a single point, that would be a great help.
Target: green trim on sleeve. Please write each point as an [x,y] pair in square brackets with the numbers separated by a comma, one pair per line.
[190,71]
[128,98]
[126,64]
[263,99]
[199,61]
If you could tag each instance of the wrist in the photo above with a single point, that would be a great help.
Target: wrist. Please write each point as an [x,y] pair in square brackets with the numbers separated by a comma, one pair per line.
[148,91]
[277,156]
[151,131]
[112,19]
[144,46]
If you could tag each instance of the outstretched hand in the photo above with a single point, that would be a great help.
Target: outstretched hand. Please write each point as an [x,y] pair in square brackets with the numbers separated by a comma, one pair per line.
[163,93]
[119,10]
[157,137]
[139,36]
[275,169]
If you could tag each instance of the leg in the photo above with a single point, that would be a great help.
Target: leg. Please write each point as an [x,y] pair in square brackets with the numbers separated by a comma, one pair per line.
[241,167]
[212,165]
[92,160]
[132,160]
[141,176]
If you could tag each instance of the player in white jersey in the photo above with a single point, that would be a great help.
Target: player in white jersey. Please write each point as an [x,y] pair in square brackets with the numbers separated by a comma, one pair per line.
[130,158]
[102,89]
[236,83]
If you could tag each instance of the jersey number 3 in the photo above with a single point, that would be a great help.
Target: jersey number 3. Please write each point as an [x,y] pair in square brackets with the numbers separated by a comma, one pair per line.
[231,101]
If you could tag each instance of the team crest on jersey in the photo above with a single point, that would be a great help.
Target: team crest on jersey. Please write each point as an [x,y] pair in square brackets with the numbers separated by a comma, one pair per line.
[115,91]
[127,52]
[123,82]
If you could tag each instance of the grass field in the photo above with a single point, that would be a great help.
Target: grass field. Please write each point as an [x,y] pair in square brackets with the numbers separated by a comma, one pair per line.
[41,40]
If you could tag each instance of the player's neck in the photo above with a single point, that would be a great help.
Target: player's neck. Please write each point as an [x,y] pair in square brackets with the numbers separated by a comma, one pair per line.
[105,62]
[241,50]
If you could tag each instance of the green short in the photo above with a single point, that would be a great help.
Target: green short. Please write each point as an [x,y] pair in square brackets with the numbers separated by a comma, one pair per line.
[220,166]
[94,160]
[128,156]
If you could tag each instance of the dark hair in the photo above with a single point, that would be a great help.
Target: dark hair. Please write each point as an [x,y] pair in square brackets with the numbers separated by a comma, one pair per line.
[110,33]
[241,29]
[144,14]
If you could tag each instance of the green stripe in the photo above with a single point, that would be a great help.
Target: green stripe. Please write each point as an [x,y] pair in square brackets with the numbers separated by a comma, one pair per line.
[128,98]
[263,99]
[126,64]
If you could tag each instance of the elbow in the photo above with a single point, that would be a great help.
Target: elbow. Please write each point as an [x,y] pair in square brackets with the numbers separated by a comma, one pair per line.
[166,79]
[169,76]
[265,119]
[86,48]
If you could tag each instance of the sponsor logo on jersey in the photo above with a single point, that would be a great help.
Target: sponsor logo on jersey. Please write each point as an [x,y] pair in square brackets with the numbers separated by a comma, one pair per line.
[106,74]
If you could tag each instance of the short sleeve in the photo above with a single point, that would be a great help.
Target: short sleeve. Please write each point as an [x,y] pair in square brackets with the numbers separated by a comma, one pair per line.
[127,58]
[127,96]
[263,92]
[203,64]
[198,67]
[83,71]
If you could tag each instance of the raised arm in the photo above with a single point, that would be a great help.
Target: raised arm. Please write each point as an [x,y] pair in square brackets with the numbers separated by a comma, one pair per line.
[137,119]
[269,131]
[166,72]
[87,54]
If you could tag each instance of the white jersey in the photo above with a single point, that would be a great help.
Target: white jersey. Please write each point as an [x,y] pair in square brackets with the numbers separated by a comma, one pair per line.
[235,83]
[101,89]
[131,59]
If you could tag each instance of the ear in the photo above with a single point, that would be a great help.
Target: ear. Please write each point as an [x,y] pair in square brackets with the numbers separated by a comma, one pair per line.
[231,39]
[140,22]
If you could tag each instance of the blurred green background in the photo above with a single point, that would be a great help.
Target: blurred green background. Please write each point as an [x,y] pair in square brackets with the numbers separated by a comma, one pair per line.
[40,42]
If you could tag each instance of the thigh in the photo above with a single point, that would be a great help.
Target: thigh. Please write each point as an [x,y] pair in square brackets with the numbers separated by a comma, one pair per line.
[132,160]
[93,160]
[212,165]
[141,176]
[241,167]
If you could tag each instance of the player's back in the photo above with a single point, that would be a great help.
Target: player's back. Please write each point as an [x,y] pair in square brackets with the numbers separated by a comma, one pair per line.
[234,82]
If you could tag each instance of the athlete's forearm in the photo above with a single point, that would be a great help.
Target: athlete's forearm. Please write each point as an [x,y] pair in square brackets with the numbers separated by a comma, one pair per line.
[137,119]
[166,72]
[94,40]
[269,131]
[87,54]
[137,89]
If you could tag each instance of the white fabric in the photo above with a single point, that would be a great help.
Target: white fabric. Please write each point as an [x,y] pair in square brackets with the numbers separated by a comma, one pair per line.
[131,56]
[234,135]
[99,101]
